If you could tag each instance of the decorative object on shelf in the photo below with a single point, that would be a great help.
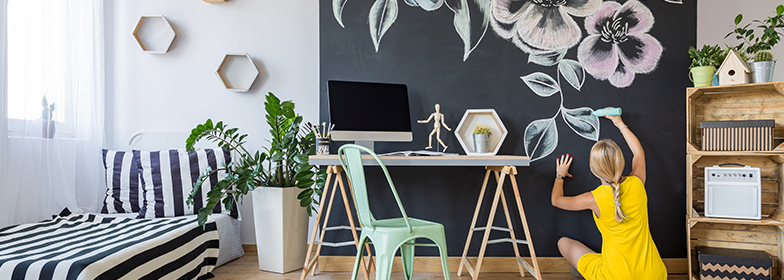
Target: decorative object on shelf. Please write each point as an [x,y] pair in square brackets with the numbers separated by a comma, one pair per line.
[723,263]
[215,1]
[752,135]
[733,192]
[763,66]
[703,64]
[154,34]
[465,129]
[47,124]
[734,70]
[237,72]
[482,138]
[272,176]
[772,28]
[438,121]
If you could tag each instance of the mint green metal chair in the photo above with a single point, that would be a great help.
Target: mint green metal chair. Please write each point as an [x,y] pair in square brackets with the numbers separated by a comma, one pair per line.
[389,234]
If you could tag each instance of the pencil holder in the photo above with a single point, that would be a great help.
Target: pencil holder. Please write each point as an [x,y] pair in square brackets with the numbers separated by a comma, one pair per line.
[322,145]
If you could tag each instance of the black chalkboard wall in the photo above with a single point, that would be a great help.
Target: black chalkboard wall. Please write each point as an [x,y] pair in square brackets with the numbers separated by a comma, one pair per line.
[423,50]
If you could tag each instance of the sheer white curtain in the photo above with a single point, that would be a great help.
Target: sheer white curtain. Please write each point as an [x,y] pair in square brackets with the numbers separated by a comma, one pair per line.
[55,108]
[5,219]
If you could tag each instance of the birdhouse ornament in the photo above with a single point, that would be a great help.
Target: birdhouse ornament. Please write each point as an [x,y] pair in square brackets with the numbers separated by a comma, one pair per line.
[734,70]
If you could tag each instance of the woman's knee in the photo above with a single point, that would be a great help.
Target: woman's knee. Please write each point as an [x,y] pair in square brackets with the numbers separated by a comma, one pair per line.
[563,243]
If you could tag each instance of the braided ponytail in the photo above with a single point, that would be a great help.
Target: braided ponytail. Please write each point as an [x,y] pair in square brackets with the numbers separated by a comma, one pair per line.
[607,164]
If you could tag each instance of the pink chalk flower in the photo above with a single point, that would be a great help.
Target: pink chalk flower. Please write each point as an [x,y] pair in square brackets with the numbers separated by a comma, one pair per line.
[618,45]
[539,26]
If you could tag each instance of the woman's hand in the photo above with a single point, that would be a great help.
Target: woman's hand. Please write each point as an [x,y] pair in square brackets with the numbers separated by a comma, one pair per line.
[563,164]
[617,121]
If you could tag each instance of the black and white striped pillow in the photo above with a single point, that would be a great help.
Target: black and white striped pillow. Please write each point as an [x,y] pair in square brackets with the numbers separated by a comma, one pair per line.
[123,188]
[168,178]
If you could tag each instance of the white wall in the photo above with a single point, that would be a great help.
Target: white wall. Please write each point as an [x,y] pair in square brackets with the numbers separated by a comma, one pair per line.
[716,18]
[178,90]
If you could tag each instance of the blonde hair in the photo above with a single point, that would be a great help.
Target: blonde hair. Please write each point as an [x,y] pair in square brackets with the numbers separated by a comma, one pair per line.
[607,163]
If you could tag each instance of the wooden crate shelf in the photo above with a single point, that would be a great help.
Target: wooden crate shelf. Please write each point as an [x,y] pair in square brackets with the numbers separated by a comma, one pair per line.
[735,102]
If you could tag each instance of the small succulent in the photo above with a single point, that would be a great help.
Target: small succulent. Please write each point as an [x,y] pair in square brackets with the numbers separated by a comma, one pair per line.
[46,113]
[482,129]
[763,55]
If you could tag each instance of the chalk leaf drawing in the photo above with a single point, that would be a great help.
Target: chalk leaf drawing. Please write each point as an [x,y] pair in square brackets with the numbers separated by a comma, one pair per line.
[541,84]
[582,121]
[541,25]
[337,10]
[547,58]
[540,138]
[427,5]
[573,72]
[618,46]
[464,26]
[383,14]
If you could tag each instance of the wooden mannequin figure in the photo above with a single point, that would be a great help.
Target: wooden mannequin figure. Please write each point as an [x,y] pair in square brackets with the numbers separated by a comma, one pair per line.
[438,122]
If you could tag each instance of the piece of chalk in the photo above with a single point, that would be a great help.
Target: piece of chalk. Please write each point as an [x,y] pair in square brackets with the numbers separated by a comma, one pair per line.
[608,112]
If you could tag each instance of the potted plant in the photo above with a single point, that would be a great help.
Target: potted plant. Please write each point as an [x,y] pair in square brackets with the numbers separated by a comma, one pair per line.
[704,62]
[278,176]
[47,124]
[771,30]
[482,138]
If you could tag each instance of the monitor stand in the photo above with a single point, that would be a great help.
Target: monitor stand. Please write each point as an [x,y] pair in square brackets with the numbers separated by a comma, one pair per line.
[366,144]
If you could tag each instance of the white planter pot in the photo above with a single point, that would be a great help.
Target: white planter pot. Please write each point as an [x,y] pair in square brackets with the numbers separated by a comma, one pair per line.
[281,229]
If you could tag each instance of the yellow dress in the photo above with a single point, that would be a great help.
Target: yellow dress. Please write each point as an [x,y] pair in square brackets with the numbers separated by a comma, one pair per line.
[628,251]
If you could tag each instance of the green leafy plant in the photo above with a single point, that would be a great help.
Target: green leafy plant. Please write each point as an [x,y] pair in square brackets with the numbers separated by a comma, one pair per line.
[482,129]
[772,29]
[706,56]
[283,164]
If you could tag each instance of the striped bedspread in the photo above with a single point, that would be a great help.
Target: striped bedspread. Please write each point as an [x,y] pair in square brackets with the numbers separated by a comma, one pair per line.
[95,247]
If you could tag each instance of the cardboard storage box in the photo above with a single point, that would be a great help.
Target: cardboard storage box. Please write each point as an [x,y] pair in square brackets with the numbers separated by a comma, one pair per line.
[723,263]
[754,135]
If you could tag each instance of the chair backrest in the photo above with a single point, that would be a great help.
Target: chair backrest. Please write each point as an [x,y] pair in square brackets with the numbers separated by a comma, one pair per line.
[351,159]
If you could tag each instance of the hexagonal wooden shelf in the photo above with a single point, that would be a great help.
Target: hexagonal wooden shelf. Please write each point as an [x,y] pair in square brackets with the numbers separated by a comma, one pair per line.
[154,34]
[237,72]
[473,117]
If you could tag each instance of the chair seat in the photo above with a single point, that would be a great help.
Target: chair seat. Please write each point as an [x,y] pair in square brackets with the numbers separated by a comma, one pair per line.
[399,225]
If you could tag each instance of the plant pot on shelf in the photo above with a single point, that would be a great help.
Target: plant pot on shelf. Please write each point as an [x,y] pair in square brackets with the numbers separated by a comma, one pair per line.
[702,76]
[482,143]
[281,228]
[47,129]
[762,71]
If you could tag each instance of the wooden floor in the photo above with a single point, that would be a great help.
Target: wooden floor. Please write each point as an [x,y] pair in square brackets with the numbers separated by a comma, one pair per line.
[247,268]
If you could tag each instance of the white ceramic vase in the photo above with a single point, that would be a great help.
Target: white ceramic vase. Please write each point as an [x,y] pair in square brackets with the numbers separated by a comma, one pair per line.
[281,229]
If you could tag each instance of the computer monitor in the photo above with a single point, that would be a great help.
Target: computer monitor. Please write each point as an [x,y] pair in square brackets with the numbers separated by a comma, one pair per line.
[367,112]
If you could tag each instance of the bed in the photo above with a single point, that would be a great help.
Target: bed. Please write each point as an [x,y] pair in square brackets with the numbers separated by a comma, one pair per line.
[120,245]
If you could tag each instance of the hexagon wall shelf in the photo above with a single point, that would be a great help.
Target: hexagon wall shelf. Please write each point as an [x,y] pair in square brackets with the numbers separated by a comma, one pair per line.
[473,117]
[237,72]
[154,34]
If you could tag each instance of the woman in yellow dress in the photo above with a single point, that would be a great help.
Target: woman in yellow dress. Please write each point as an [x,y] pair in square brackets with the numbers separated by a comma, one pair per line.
[620,208]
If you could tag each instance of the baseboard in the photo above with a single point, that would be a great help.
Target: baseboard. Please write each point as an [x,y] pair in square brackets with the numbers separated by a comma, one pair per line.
[489,264]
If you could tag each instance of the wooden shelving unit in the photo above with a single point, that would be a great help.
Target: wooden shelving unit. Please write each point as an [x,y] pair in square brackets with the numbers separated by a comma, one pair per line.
[735,102]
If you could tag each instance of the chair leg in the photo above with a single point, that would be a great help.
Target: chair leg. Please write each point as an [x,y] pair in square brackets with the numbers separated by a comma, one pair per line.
[441,243]
[385,257]
[358,260]
[407,255]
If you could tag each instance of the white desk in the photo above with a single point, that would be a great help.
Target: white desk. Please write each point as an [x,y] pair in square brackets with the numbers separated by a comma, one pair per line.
[501,166]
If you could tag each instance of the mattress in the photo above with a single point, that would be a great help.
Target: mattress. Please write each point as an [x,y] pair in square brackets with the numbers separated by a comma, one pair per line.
[228,233]
[89,246]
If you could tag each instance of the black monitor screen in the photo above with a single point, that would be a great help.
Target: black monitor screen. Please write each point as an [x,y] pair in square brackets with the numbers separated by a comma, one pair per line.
[360,106]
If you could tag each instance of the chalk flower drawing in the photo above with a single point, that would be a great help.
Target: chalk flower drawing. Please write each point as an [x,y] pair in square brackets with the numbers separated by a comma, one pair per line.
[618,45]
[616,48]
[541,25]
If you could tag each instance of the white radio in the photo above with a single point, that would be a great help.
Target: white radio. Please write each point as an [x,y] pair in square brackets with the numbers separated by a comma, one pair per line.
[733,192]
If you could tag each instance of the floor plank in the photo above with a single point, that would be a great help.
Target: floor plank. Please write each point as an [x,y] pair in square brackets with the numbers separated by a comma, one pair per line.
[246,268]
